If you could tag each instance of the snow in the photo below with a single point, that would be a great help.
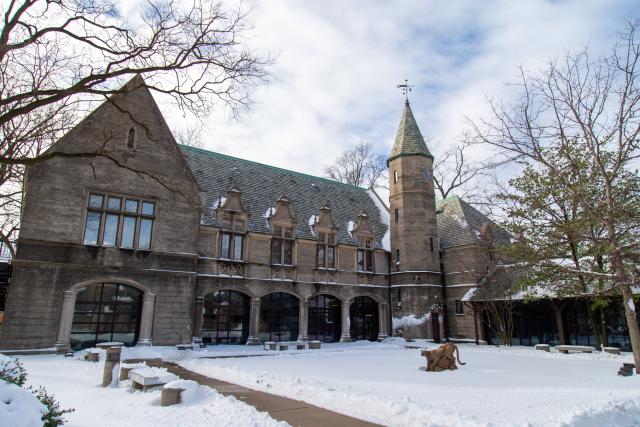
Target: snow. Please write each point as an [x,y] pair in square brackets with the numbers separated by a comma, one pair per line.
[313,220]
[497,386]
[76,384]
[631,305]
[469,294]
[378,382]
[384,217]
[218,202]
[350,227]
[19,407]
[410,320]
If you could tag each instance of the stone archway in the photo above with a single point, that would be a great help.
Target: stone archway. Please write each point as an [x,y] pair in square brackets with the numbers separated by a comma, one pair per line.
[279,317]
[325,318]
[226,317]
[364,319]
[124,318]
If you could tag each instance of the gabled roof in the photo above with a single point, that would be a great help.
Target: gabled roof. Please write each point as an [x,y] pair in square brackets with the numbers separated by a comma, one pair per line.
[460,224]
[409,140]
[262,185]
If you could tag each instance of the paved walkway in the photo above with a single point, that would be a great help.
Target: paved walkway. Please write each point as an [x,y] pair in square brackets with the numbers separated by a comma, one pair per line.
[294,412]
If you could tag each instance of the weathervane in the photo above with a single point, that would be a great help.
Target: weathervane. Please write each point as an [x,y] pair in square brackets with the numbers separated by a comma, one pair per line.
[405,89]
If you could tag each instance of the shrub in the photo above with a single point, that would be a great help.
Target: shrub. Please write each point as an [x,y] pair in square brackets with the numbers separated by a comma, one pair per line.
[12,371]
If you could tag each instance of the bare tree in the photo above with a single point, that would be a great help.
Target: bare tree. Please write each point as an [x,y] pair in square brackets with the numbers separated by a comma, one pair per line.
[592,106]
[190,136]
[359,166]
[59,57]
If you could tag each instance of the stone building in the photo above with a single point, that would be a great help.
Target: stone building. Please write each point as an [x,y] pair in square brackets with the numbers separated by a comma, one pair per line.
[152,242]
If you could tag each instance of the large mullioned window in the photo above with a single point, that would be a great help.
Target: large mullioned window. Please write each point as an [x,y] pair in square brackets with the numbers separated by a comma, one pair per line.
[282,245]
[119,221]
[326,250]
[232,238]
[365,255]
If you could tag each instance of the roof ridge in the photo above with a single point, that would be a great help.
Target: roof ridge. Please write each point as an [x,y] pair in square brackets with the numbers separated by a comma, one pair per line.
[215,153]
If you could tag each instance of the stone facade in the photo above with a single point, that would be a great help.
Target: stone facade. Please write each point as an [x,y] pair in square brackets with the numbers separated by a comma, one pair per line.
[224,224]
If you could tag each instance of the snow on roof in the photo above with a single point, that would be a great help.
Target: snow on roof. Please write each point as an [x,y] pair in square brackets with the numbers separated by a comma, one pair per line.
[470,293]
[384,217]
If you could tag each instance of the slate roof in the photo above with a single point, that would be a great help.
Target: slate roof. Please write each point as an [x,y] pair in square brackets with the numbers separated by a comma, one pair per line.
[459,224]
[261,186]
[409,139]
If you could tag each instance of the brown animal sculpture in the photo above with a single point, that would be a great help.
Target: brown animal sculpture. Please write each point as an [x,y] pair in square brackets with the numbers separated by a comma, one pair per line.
[442,358]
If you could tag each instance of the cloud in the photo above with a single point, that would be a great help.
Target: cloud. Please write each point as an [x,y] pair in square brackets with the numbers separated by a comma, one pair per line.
[338,64]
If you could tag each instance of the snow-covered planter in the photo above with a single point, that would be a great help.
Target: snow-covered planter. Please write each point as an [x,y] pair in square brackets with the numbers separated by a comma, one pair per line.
[407,326]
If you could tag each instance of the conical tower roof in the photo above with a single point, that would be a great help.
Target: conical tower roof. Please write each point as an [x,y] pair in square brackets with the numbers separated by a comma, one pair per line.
[409,140]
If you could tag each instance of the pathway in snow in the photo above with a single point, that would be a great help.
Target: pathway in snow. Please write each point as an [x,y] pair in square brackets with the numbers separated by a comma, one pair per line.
[294,412]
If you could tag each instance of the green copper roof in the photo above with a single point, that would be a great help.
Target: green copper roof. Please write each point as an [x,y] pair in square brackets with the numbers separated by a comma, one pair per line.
[409,140]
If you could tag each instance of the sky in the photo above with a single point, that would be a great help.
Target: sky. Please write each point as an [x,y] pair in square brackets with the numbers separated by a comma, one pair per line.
[337,65]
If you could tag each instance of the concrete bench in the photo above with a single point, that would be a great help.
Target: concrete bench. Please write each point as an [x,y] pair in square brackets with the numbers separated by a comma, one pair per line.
[92,356]
[184,347]
[543,347]
[314,345]
[566,349]
[301,346]
[612,350]
[283,346]
[270,345]
[147,378]
[125,368]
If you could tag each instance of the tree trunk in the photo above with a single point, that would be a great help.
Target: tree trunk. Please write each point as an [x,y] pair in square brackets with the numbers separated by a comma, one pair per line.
[592,322]
[603,329]
[562,332]
[632,323]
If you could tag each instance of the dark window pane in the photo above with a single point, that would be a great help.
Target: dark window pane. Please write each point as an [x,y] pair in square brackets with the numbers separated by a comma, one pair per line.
[95,201]
[114,203]
[331,257]
[360,260]
[144,241]
[91,228]
[277,230]
[128,231]
[225,247]
[276,247]
[288,233]
[288,252]
[369,259]
[148,208]
[332,239]
[131,206]
[321,255]
[110,230]
[237,246]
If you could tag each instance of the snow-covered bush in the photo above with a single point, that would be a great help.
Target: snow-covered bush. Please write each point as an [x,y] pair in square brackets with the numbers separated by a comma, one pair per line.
[24,403]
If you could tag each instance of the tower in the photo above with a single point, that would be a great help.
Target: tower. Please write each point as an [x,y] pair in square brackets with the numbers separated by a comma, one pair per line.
[415,279]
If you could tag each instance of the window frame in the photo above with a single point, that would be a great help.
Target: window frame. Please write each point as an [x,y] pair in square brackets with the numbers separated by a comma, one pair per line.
[366,250]
[282,240]
[105,211]
[459,304]
[234,226]
[326,242]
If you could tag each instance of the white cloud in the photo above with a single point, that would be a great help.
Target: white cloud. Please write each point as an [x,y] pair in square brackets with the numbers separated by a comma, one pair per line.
[338,63]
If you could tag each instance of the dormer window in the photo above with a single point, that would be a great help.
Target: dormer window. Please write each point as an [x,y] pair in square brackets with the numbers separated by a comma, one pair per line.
[365,254]
[282,245]
[326,250]
[131,139]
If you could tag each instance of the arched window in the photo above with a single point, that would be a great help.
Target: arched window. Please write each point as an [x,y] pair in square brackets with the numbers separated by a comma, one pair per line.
[131,139]
[226,317]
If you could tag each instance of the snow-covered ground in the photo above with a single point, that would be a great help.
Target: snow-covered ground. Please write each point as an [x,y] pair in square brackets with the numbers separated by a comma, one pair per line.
[76,384]
[379,382]
[497,386]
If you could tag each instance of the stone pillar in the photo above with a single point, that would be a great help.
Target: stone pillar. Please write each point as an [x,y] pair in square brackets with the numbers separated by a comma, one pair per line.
[146,322]
[345,336]
[558,310]
[198,312]
[66,320]
[254,323]
[303,321]
[382,320]
[111,366]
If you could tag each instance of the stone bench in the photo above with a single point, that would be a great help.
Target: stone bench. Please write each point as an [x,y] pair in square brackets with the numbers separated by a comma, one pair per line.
[543,347]
[147,378]
[270,345]
[301,346]
[183,347]
[566,349]
[612,350]
[172,392]
[283,346]
[125,368]
[92,356]
[314,345]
